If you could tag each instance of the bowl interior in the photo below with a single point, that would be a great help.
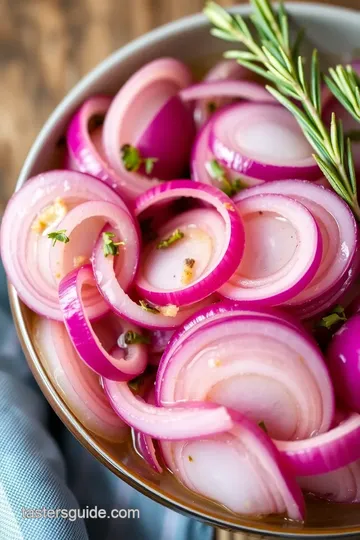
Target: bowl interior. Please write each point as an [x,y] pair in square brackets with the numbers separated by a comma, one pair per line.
[334,31]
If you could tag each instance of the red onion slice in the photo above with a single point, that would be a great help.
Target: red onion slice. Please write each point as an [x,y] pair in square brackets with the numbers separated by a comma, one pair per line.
[137,105]
[125,307]
[200,157]
[337,227]
[193,267]
[268,370]
[224,71]
[263,141]
[144,444]
[83,225]
[84,339]
[241,470]
[194,421]
[326,452]
[78,385]
[25,252]
[247,90]
[86,153]
[343,362]
[342,485]
[282,251]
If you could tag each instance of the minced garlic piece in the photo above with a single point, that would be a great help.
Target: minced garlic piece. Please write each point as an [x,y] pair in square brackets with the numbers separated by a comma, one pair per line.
[79,261]
[168,311]
[188,271]
[49,216]
[229,207]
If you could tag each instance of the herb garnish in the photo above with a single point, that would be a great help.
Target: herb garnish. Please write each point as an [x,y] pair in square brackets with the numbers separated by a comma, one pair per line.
[59,236]
[270,55]
[148,307]
[217,172]
[132,159]
[167,242]
[133,338]
[109,246]
[337,315]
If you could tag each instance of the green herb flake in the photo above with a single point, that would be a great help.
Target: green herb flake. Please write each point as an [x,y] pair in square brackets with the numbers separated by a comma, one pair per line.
[174,237]
[148,307]
[133,338]
[218,172]
[337,315]
[263,426]
[132,159]
[136,384]
[109,246]
[59,236]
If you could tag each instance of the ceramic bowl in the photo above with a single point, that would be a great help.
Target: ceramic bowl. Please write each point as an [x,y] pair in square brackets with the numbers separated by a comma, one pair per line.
[334,31]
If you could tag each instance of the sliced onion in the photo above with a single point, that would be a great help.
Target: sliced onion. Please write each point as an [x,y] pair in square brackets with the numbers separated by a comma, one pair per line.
[164,278]
[217,93]
[337,227]
[78,385]
[169,138]
[261,367]
[200,157]
[240,469]
[144,444]
[326,452]
[193,421]
[150,91]
[125,307]
[263,141]
[219,311]
[283,249]
[84,338]
[225,70]
[342,485]
[86,153]
[83,225]
[25,253]
[343,362]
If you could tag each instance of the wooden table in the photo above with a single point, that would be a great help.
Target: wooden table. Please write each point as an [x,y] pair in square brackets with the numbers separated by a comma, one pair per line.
[46,46]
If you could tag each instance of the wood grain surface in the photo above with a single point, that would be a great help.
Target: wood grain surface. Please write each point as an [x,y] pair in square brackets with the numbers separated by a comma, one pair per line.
[46,46]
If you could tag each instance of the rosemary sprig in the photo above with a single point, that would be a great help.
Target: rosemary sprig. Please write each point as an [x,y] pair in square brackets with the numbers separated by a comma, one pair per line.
[343,82]
[270,54]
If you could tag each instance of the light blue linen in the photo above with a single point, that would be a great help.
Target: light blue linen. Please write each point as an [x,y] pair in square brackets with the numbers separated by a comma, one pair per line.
[42,465]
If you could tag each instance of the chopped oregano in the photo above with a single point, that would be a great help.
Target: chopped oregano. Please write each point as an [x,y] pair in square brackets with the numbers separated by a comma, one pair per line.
[133,160]
[133,338]
[190,263]
[337,315]
[187,274]
[109,246]
[218,172]
[59,236]
[174,237]
[135,384]
[148,307]
[263,426]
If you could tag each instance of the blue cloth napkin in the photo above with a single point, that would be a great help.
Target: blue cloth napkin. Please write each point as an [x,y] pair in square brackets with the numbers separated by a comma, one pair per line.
[43,466]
